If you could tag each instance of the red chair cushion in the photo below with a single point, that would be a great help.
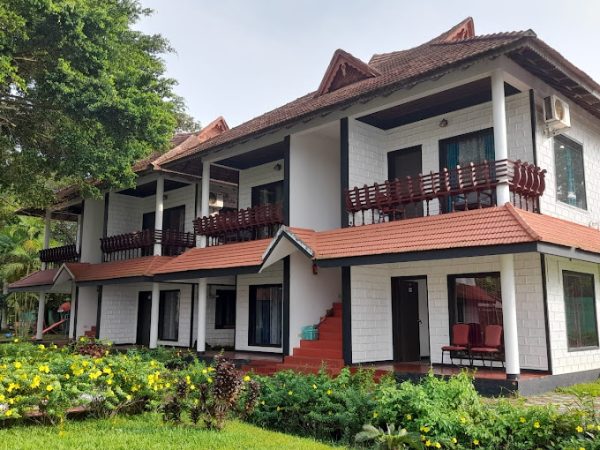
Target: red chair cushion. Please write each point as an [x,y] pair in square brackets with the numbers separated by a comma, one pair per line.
[485,350]
[453,348]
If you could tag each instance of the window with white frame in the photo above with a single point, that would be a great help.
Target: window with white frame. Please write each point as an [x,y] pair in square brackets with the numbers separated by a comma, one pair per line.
[569,168]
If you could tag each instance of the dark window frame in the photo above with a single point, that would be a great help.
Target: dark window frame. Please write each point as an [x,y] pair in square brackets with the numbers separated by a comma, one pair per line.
[255,190]
[578,146]
[165,211]
[161,306]
[593,276]
[220,315]
[443,157]
[252,314]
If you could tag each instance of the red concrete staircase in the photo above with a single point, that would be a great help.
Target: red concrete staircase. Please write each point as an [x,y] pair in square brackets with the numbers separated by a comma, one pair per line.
[312,355]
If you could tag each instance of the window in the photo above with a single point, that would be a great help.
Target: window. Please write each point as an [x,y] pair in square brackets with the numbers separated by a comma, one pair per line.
[267,194]
[475,299]
[225,309]
[168,316]
[570,174]
[580,308]
[265,315]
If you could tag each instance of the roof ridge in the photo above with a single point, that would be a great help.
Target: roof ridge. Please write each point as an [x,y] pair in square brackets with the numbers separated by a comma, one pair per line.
[521,221]
[488,36]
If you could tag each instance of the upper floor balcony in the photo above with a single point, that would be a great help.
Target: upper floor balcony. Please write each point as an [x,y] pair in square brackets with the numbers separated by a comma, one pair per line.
[57,255]
[257,222]
[459,189]
[141,243]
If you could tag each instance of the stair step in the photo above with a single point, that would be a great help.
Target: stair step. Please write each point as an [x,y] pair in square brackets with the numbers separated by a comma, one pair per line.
[330,336]
[318,353]
[314,361]
[324,344]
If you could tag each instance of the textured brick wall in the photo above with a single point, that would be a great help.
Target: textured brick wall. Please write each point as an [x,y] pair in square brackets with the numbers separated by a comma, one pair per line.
[371,305]
[563,360]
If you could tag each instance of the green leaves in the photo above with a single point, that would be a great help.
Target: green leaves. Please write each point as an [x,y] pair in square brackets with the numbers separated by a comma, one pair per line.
[82,95]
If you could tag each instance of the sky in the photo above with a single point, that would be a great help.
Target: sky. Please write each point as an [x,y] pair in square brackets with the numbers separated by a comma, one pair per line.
[241,58]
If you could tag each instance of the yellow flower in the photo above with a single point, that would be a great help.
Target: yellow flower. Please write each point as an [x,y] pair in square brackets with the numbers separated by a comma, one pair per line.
[375,415]
[211,369]
[54,346]
[329,392]
[425,429]
[209,379]
[67,376]
[18,365]
[44,368]
[36,382]
[428,443]
[262,402]
[463,420]
[8,412]
[536,424]
[107,370]
[591,427]
[408,416]
[454,440]
[247,378]
[278,408]
[438,445]
[522,420]
[109,381]
[290,392]
[314,386]
[128,397]
[12,387]
[204,371]
[2,398]
[475,441]
[15,340]
[42,347]
[579,429]
[49,388]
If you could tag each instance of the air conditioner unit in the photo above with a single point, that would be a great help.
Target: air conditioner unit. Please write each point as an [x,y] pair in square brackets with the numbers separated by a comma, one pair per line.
[556,114]
[215,200]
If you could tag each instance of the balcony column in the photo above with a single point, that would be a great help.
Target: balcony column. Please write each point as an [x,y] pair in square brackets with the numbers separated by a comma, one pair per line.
[42,296]
[202,295]
[158,212]
[500,136]
[204,196]
[509,316]
[154,315]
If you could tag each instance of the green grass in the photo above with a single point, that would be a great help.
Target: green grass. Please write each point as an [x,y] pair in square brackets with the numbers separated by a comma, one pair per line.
[146,432]
[583,389]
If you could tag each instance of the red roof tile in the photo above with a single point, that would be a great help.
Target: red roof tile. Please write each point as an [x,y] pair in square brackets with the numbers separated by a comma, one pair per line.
[36,279]
[129,268]
[241,254]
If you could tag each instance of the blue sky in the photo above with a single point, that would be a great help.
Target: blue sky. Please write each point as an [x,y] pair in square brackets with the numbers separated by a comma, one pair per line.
[241,58]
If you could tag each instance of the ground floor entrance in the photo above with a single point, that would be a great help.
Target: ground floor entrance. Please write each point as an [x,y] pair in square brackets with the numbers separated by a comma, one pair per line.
[410,319]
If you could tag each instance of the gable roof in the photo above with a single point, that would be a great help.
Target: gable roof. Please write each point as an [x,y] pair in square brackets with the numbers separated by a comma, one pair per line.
[41,280]
[344,69]
[455,48]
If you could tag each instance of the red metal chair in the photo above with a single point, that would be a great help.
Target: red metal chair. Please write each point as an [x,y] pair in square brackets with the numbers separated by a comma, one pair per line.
[492,344]
[460,341]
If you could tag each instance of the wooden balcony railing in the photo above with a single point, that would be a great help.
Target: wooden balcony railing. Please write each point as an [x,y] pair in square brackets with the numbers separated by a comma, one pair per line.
[58,255]
[463,188]
[141,243]
[242,225]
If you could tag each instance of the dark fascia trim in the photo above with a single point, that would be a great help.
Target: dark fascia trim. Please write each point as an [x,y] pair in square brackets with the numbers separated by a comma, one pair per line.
[344,169]
[285,342]
[41,288]
[207,273]
[99,312]
[568,252]
[429,255]
[127,280]
[546,313]
[533,119]
[288,236]
[346,315]
[286,181]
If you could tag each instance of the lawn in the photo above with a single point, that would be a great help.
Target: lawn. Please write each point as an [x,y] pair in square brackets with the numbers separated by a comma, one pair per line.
[146,432]
[584,389]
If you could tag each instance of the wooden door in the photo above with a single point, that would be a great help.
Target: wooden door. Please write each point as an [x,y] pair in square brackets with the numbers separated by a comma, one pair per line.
[405,320]
[404,163]
[144,314]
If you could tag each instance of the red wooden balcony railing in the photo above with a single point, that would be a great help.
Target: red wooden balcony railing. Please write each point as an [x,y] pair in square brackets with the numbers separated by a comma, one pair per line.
[463,188]
[141,243]
[242,225]
[59,255]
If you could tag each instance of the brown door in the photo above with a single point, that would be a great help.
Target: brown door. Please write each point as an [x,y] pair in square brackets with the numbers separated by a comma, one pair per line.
[405,320]
[144,312]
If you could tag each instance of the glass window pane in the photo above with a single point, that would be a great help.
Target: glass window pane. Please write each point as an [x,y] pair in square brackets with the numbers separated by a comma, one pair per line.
[580,309]
[168,318]
[266,315]
[570,176]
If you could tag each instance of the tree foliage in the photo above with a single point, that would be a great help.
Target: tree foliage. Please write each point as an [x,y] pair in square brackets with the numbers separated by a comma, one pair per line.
[82,95]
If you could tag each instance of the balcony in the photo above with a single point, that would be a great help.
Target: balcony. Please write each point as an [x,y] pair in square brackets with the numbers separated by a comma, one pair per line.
[57,255]
[460,189]
[248,224]
[141,243]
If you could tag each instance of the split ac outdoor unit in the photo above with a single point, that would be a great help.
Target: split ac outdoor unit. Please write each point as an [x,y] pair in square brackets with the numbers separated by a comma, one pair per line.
[556,114]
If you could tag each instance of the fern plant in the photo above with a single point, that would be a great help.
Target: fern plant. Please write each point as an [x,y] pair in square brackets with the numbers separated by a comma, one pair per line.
[390,439]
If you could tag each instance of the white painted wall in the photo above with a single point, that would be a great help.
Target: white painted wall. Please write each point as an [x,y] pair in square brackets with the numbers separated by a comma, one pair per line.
[272,275]
[217,337]
[93,226]
[310,295]
[563,360]
[87,307]
[257,176]
[315,180]
[371,305]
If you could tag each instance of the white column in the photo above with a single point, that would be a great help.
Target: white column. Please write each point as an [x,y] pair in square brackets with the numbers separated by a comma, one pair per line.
[202,294]
[72,334]
[42,296]
[204,195]
[509,316]
[158,211]
[154,315]
[500,137]
[79,232]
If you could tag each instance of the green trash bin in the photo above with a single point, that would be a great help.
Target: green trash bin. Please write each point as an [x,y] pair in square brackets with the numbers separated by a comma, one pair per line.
[310,333]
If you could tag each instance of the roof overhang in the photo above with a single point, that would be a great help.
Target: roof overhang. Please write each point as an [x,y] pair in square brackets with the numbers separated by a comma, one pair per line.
[284,244]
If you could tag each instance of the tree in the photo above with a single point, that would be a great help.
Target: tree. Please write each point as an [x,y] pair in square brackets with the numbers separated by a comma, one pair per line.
[82,96]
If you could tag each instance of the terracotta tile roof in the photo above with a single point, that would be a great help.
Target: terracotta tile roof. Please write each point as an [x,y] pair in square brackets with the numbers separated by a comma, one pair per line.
[241,254]
[36,279]
[129,268]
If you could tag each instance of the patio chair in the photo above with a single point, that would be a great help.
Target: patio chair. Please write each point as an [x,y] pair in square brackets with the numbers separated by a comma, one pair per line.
[459,343]
[492,344]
